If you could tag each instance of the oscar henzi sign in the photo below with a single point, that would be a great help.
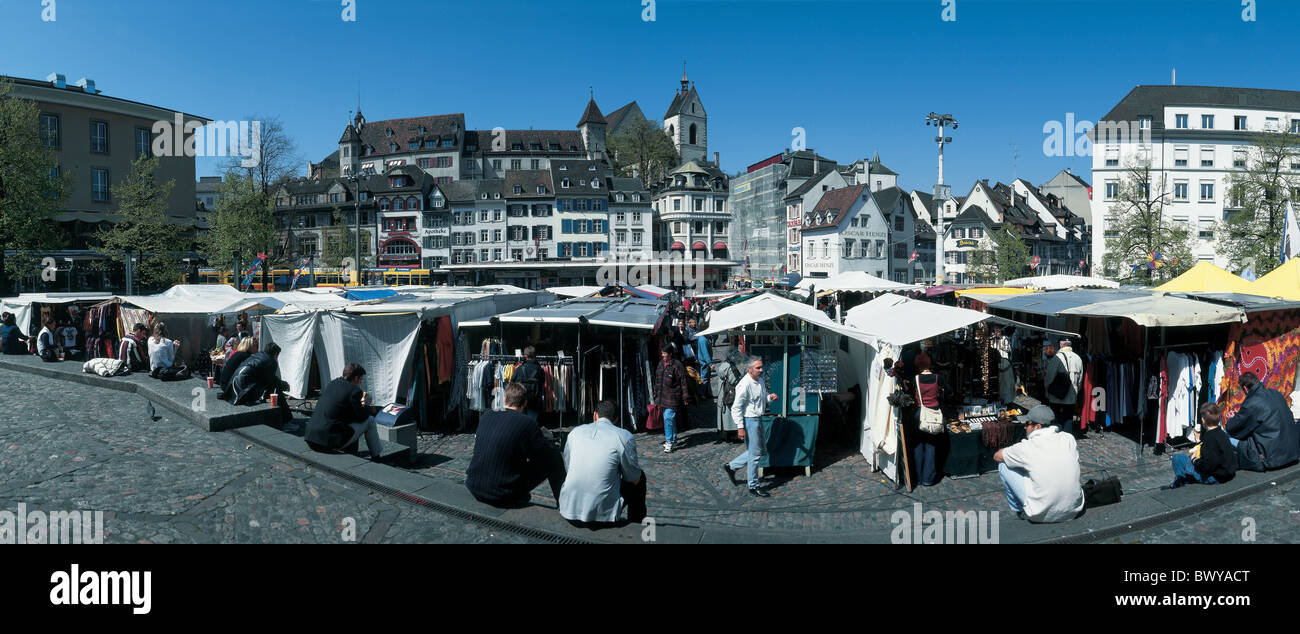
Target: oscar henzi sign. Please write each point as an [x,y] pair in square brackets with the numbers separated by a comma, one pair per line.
[967,244]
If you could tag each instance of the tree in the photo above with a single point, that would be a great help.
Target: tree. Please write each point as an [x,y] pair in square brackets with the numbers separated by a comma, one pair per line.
[242,225]
[278,161]
[643,151]
[32,189]
[340,243]
[143,226]
[1136,228]
[1252,235]
[1008,258]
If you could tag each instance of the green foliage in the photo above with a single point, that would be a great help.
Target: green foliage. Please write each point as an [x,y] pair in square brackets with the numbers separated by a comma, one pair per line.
[645,150]
[340,243]
[1257,196]
[1136,227]
[29,197]
[1007,260]
[243,223]
[143,226]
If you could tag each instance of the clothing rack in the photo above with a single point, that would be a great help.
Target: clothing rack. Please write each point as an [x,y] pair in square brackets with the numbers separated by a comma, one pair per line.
[519,357]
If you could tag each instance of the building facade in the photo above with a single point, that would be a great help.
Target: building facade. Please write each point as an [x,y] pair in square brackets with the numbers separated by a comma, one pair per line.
[1194,137]
[845,232]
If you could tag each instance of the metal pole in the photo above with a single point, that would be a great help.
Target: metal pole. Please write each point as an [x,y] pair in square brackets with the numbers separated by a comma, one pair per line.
[621,411]
[356,206]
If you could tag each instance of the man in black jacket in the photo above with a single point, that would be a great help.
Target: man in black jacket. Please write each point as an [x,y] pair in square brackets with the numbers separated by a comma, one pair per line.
[529,374]
[343,415]
[258,377]
[1263,430]
[1215,459]
[512,455]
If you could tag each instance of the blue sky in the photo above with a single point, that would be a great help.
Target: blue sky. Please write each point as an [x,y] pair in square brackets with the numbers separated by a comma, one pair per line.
[857,75]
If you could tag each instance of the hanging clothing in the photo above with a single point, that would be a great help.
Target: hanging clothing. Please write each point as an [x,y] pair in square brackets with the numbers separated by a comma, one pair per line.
[1184,372]
[1164,398]
[446,341]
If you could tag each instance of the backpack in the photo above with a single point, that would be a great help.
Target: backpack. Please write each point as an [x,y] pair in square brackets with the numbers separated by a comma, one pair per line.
[729,394]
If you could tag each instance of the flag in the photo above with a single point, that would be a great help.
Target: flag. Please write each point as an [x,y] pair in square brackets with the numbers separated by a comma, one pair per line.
[912,259]
[297,274]
[1290,234]
[252,270]
[1248,274]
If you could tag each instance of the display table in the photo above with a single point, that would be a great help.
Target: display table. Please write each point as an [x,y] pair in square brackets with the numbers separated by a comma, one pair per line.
[968,456]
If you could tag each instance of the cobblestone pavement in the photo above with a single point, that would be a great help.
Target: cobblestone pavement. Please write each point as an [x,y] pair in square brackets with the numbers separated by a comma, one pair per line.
[69,447]
[1271,516]
[842,493]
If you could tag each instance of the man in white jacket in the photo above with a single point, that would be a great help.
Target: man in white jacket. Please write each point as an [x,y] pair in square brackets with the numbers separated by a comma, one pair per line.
[751,400]
[1066,362]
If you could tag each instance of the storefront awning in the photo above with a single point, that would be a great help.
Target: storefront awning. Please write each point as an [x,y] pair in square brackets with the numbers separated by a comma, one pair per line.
[698,246]
[719,246]
[677,246]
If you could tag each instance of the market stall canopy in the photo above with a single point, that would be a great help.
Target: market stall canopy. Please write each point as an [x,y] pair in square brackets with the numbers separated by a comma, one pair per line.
[767,307]
[1143,307]
[1282,282]
[1205,277]
[1059,282]
[21,306]
[574,291]
[620,312]
[994,290]
[900,320]
[855,281]
[1248,303]
[645,291]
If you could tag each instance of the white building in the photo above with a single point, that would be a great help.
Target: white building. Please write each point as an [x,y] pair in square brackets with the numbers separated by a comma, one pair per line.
[1195,136]
[845,232]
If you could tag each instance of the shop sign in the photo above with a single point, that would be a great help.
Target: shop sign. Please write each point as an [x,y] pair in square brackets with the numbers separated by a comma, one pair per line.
[967,243]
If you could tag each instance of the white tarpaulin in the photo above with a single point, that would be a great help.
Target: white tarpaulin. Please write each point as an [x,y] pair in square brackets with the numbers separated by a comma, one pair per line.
[855,281]
[767,307]
[574,291]
[1057,282]
[381,343]
[297,336]
[901,320]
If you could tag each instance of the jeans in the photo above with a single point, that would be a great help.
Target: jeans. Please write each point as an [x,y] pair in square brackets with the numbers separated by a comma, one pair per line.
[367,429]
[756,448]
[670,425]
[925,457]
[1016,483]
[1184,470]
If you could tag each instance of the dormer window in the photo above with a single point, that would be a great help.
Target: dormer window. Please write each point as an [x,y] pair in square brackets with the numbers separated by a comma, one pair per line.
[517,146]
[582,182]
[496,195]
[591,167]
[636,198]
[421,129]
[563,167]
[484,196]
[564,183]
[555,147]
[618,197]
[392,147]
[535,146]
[388,132]
[519,189]
[595,184]
[541,189]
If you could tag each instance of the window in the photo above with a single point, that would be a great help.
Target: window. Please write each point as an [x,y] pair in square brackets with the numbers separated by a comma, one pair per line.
[496,255]
[565,182]
[517,255]
[1239,157]
[483,235]
[496,215]
[1180,156]
[677,204]
[636,217]
[1112,156]
[535,164]
[541,189]
[99,185]
[582,249]
[1295,126]
[443,180]
[636,238]
[1207,191]
[496,164]
[900,251]
[142,138]
[1207,121]
[1112,190]
[483,255]
[620,236]
[899,222]
[1144,122]
[1180,121]
[717,205]
[1206,230]
[1180,190]
[1239,123]
[496,235]
[483,215]
[1270,124]
[677,227]
[1207,157]
[516,164]
[543,254]
[959,233]
[424,163]
[848,248]
[977,232]
[620,218]
[99,137]
[50,130]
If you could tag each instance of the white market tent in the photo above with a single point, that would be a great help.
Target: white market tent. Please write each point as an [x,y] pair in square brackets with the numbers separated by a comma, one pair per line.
[379,334]
[1058,282]
[767,307]
[21,306]
[574,291]
[900,320]
[855,281]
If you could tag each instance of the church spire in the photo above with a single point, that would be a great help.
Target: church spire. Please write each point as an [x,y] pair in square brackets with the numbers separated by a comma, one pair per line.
[685,82]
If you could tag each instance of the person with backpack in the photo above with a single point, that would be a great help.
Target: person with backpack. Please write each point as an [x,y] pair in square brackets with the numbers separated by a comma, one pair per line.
[1061,380]
[529,374]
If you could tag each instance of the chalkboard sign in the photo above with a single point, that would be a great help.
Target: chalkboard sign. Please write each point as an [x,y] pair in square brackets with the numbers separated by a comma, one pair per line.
[819,373]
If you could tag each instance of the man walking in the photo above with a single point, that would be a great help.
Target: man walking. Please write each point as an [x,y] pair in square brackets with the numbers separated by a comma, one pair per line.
[751,400]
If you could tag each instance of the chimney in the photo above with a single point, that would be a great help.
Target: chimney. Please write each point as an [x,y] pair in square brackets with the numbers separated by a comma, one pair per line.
[817,165]
[58,80]
[87,85]
[717,159]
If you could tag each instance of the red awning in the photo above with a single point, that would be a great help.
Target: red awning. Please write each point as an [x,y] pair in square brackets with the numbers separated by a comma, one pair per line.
[719,246]
[698,246]
[677,246]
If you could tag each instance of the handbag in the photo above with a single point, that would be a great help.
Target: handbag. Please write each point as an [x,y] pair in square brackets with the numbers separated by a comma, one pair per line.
[931,419]
[1060,386]
[1102,492]
[655,420]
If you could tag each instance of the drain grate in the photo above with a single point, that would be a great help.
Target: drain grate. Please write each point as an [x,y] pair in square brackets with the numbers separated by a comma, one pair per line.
[490,522]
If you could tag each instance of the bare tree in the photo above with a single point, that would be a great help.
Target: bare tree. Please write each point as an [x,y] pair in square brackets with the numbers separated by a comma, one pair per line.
[278,162]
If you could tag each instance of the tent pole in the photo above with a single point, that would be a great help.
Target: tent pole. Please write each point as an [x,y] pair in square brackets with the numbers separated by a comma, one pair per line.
[785,373]
[621,411]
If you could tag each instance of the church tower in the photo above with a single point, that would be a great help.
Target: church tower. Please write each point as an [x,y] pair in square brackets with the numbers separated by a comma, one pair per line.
[687,123]
[593,126]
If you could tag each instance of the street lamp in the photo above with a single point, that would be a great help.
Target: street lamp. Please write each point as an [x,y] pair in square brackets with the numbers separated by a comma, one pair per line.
[355,177]
[941,192]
